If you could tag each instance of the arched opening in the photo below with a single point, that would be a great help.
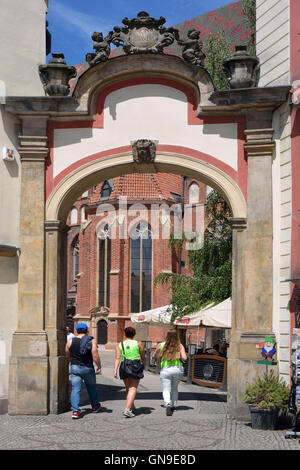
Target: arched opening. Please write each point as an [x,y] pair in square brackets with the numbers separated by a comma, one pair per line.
[87,176]
[102,332]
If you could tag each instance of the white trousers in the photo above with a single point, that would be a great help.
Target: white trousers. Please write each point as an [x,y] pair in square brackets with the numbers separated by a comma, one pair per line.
[170,378]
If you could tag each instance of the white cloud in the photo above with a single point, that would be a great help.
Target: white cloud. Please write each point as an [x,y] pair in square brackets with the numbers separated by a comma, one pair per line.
[84,23]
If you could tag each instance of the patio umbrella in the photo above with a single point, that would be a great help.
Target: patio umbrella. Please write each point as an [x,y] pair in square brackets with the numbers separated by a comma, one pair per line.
[216,316]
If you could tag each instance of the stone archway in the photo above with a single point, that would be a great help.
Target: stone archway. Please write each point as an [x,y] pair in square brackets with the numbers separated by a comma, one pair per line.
[84,177]
[38,369]
[44,348]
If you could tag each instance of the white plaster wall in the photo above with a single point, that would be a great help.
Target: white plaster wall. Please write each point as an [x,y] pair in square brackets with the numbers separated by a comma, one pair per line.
[272,41]
[282,209]
[9,235]
[23,45]
[153,112]
[22,39]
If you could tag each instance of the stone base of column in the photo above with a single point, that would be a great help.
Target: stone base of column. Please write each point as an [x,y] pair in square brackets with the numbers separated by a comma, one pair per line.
[3,406]
[242,369]
[59,385]
[29,371]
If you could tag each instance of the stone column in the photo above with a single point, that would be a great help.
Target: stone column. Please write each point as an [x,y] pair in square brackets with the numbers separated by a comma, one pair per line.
[252,271]
[28,375]
[55,310]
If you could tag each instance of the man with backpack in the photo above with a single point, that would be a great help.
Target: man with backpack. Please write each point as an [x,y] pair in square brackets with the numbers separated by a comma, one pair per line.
[82,352]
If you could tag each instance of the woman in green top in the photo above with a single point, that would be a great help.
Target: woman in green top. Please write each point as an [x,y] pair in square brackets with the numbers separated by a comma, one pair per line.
[134,350]
[170,352]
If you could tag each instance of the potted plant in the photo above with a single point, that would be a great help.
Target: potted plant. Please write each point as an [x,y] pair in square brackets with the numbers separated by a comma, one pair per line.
[265,396]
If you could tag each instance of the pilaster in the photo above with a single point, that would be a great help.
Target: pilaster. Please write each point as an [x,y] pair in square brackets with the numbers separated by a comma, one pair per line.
[55,308]
[252,284]
[28,379]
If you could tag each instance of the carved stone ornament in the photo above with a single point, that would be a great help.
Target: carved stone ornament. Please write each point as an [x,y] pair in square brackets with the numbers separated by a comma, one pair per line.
[56,75]
[145,34]
[144,151]
[99,312]
[241,68]
[102,48]
[192,48]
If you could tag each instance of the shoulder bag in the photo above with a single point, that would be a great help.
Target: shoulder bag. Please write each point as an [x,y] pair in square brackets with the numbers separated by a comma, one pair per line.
[130,368]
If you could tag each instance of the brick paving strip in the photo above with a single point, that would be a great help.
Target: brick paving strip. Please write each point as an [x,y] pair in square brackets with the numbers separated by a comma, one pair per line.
[199,423]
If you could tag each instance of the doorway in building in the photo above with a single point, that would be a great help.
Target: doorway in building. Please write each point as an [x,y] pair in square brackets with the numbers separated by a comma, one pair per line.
[102,332]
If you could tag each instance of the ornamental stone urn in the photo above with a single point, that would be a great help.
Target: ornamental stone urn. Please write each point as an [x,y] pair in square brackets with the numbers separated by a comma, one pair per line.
[242,68]
[56,75]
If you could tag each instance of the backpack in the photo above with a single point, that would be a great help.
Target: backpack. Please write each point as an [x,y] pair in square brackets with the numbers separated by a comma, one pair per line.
[85,344]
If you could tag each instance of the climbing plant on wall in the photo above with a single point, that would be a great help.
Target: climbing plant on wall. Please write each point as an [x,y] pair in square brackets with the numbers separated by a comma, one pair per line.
[211,264]
[217,49]
[249,10]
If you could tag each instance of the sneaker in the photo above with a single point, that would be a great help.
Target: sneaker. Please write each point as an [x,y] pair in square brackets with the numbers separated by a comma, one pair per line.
[76,415]
[169,411]
[128,414]
[97,408]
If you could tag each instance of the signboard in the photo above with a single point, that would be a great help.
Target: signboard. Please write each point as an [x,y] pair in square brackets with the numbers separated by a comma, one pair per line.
[8,154]
[184,321]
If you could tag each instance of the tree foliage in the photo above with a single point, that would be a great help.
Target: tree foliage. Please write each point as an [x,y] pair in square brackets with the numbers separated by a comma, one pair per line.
[211,264]
[217,49]
[249,10]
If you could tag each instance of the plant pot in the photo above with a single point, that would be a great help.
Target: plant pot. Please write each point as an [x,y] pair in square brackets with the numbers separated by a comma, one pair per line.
[263,418]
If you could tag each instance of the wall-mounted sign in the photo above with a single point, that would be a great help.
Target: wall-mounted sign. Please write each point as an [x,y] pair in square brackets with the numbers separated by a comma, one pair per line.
[267,349]
[8,154]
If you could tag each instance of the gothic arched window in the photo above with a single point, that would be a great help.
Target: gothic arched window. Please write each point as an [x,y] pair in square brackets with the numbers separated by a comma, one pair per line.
[74,216]
[106,190]
[194,193]
[83,214]
[104,266]
[75,258]
[140,268]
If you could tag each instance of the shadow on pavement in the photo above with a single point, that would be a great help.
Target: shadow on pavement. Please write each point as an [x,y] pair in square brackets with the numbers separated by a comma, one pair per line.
[143,410]
[110,393]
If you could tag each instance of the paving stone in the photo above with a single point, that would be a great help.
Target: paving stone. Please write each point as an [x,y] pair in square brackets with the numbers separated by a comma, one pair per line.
[199,423]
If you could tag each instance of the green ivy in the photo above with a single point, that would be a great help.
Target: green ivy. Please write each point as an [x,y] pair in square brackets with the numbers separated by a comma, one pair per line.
[249,10]
[217,49]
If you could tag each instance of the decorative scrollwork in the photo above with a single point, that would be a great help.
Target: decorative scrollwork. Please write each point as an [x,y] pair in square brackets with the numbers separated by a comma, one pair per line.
[145,34]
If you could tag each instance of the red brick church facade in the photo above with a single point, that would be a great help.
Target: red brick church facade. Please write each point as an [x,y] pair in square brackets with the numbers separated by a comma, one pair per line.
[118,274]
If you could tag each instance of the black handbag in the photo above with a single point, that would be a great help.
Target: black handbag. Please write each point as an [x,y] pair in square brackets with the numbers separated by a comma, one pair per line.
[130,368]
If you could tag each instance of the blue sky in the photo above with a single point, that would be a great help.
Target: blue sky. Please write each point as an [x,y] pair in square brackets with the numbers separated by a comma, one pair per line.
[71,22]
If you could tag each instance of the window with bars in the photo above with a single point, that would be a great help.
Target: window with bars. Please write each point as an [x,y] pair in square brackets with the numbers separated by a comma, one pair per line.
[140,268]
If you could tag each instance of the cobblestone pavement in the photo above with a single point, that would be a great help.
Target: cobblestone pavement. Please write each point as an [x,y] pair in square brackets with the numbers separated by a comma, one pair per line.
[198,424]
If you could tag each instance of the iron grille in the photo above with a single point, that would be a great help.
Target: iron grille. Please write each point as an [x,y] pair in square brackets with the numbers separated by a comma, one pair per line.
[211,370]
